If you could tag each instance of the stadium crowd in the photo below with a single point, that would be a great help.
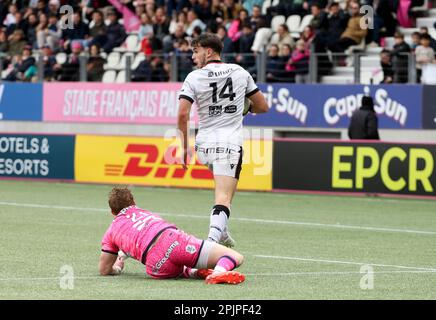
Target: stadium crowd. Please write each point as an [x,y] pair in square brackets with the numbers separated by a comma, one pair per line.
[30,26]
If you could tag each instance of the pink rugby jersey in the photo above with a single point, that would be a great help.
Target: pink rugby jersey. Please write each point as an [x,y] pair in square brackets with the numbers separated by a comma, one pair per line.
[133,230]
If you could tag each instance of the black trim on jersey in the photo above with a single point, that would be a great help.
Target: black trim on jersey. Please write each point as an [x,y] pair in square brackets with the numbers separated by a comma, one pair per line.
[232,260]
[182,96]
[111,252]
[214,61]
[199,252]
[239,165]
[144,255]
[251,93]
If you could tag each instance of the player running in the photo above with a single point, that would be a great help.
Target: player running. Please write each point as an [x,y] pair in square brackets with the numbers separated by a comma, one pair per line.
[165,250]
[220,91]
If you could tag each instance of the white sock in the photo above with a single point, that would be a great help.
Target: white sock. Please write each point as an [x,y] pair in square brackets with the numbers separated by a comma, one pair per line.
[218,223]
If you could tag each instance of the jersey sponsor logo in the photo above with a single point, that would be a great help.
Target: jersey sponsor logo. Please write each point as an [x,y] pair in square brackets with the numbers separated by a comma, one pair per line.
[230,109]
[219,73]
[162,261]
[215,111]
[190,249]
[208,150]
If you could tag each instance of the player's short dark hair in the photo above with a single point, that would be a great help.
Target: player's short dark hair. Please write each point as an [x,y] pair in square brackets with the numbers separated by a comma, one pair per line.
[120,198]
[208,40]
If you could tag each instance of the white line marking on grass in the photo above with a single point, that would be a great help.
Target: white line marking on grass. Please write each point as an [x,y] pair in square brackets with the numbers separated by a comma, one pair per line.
[344,262]
[274,274]
[283,222]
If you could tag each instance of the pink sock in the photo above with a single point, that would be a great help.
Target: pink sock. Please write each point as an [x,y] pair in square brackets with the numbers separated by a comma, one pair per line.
[225,263]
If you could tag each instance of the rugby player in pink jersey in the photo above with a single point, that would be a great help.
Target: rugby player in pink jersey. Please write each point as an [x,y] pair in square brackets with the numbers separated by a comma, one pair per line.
[165,250]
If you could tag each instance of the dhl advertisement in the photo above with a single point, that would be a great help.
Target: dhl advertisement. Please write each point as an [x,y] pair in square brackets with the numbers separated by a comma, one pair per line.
[156,162]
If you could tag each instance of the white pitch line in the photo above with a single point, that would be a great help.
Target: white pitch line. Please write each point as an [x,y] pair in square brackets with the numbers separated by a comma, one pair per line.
[275,274]
[254,220]
[344,262]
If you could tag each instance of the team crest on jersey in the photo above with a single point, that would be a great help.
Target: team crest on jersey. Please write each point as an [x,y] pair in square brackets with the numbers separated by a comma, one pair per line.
[190,249]
[215,110]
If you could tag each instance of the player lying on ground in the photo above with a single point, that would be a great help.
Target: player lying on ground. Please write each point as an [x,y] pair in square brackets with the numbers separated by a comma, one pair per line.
[165,250]
[224,93]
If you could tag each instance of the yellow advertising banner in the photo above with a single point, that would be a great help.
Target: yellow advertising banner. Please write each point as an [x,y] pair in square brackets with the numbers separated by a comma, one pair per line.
[154,162]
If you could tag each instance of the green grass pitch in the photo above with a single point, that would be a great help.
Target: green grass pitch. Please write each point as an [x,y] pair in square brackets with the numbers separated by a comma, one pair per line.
[295,246]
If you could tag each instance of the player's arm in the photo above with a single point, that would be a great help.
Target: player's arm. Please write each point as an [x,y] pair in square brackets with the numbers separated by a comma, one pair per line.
[258,103]
[182,124]
[106,264]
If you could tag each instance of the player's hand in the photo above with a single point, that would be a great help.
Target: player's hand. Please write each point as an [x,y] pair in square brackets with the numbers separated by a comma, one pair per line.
[118,265]
[186,155]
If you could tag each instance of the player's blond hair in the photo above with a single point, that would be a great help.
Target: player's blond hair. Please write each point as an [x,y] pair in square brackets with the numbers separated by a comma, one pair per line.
[120,198]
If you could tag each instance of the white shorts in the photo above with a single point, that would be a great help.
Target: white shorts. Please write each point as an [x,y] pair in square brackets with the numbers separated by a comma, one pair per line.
[223,159]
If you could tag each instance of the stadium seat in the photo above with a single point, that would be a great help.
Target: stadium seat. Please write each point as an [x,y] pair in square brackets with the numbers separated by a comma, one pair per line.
[113,60]
[389,43]
[276,21]
[293,22]
[121,77]
[132,42]
[422,8]
[122,63]
[138,59]
[61,57]
[426,22]
[263,35]
[428,74]
[305,22]
[109,76]
[266,4]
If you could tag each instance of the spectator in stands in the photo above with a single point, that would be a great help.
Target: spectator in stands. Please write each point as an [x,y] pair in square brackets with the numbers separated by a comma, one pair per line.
[24,68]
[337,22]
[384,23]
[227,42]
[250,6]
[404,18]
[424,55]
[10,17]
[173,40]
[16,43]
[400,58]
[98,29]
[235,28]
[231,11]
[193,22]
[202,9]
[184,60]
[299,63]
[196,32]
[94,65]
[49,33]
[146,28]
[79,32]
[70,70]
[319,21]
[257,19]
[245,57]
[354,34]
[386,64]
[364,121]
[282,37]
[19,24]
[423,31]
[217,12]
[308,36]
[48,62]
[115,33]
[4,44]
[53,7]
[274,64]
[181,19]
[416,40]
[161,27]
[32,30]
